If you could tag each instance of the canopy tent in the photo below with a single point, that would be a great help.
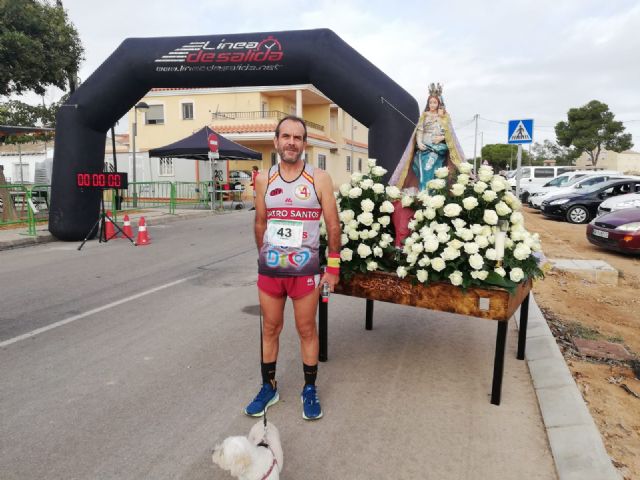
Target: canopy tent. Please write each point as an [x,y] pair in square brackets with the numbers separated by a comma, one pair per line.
[196,147]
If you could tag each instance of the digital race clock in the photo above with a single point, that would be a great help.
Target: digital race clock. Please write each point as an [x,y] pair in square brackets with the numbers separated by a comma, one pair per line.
[102,180]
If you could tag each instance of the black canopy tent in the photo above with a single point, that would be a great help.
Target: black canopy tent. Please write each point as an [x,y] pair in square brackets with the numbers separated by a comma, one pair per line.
[196,147]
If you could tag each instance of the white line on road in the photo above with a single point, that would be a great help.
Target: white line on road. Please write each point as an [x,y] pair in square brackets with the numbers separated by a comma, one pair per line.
[91,312]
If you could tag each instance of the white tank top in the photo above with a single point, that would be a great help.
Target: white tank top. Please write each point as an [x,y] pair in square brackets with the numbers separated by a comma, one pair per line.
[291,241]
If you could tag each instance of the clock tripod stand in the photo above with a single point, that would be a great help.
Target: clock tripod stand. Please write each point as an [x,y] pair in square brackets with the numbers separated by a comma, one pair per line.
[100,225]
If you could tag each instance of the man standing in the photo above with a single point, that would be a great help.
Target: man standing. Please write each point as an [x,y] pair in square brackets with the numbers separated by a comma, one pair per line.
[290,199]
[254,174]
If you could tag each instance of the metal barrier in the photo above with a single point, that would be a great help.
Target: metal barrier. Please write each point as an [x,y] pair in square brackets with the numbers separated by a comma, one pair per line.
[24,204]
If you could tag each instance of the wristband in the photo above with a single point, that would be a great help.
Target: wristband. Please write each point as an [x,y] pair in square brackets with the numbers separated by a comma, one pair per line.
[333,264]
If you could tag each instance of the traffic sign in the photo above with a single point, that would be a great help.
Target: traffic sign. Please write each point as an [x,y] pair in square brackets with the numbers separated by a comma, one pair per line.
[212,140]
[520,131]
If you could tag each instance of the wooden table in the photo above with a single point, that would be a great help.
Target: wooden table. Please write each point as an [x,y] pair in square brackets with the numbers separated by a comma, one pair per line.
[487,302]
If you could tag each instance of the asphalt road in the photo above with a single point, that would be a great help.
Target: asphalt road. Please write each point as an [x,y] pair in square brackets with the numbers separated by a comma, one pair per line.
[131,363]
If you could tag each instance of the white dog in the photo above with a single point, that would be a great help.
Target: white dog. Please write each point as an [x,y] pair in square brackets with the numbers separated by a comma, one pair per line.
[256,457]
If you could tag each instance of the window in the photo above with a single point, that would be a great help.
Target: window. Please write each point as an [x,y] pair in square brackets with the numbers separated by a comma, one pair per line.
[543,173]
[21,174]
[155,115]
[264,108]
[274,158]
[166,167]
[187,111]
[348,163]
[359,164]
[322,161]
[525,173]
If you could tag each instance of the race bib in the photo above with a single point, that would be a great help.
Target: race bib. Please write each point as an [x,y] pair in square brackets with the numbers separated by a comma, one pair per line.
[284,233]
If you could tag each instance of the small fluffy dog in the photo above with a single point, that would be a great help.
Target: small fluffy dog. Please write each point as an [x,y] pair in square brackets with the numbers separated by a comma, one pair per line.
[256,457]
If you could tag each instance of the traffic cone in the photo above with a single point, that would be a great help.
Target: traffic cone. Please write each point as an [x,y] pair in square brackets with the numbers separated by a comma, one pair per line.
[143,237]
[126,227]
[109,229]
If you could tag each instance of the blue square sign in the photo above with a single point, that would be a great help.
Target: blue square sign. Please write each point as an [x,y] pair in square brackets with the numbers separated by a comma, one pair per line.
[520,131]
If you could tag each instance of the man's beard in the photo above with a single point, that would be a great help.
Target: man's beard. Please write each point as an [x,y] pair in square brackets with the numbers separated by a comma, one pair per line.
[297,157]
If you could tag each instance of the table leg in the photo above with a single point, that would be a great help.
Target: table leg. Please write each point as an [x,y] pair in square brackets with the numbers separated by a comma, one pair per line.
[369,315]
[522,334]
[323,314]
[498,362]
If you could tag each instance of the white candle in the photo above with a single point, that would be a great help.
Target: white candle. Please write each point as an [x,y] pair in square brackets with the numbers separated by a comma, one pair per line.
[499,245]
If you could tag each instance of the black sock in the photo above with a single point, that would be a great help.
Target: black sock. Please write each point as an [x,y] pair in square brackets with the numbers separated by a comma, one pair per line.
[268,373]
[310,373]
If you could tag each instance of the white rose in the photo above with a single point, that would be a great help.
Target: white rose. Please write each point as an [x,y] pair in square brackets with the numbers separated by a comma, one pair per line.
[437,201]
[364,235]
[407,200]
[443,237]
[521,252]
[412,225]
[355,178]
[409,241]
[386,238]
[470,203]
[490,217]
[371,266]
[344,239]
[517,236]
[367,205]
[455,243]
[346,216]
[481,241]
[424,261]
[485,176]
[378,188]
[517,218]
[440,227]
[498,183]
[476,261]
[480,187]
[422,275]
[419,215]
[373,233]
[366,184]
[384,221]
[412,258]
[371,162]
[353,234]
[355,192]
[366,218]
[489,196]
[465,167]
[431,243]
[471,248]
[502,209]
[486,230]
[376,227]
[364,250]
[344,189]
[508,243]
[393,192]
[457,190]
[417,247]
[438,264]
[383,244]
[378,171]
[387,207]
[500,271]
[456,278]
[516,274]
[450,253]
[430,213]
[346,254]
[452,210]
[491,254]
[476,228]
[463,179]
[442,172]
[401,272]
[465,234]
[528,240]
[458,223]
[436,184]
[377,251]
[480,275]
[423,197]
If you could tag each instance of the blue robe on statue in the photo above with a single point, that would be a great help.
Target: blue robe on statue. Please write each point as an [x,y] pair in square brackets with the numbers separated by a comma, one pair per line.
[425,162]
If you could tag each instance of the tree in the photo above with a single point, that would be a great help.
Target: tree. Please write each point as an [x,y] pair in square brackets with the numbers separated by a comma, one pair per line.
[15,112]
[549,150]
[590,129]
[502,156]
[39,47]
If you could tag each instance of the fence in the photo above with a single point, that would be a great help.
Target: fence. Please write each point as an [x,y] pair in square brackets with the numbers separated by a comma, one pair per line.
[29,204]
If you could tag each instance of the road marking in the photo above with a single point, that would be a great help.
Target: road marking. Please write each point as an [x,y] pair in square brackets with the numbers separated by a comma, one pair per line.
[38,331]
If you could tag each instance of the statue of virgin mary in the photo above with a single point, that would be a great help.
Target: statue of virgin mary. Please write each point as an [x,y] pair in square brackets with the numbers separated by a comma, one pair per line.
[433,145]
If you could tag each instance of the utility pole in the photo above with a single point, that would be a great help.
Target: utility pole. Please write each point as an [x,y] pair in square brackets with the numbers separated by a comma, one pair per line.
[481,145]
[475,141]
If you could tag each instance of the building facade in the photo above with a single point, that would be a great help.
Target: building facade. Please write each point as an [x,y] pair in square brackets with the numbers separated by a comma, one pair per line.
[337,143]
[626,162]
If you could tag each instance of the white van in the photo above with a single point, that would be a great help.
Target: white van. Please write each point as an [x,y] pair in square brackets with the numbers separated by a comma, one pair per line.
[564,180]
[536,175]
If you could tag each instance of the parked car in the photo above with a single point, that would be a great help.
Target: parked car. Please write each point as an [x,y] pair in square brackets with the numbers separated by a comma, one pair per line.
[618,231]
[578,184]
[239,177]
[536,175]
[561,181]
[630,200]
[582,204]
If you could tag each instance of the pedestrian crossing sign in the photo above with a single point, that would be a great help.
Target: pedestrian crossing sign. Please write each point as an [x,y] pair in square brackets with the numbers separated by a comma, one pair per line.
[520,131]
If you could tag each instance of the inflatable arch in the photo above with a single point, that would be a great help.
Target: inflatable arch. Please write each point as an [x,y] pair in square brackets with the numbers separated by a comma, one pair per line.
[318,57]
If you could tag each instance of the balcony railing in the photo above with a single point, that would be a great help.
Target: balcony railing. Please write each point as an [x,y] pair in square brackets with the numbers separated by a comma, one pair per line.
[259,115]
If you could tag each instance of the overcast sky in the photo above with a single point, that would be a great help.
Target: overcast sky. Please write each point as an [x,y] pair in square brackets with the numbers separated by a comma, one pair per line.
[500,59]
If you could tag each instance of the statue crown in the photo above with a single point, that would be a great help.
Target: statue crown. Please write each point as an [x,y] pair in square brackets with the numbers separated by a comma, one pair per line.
[435,90]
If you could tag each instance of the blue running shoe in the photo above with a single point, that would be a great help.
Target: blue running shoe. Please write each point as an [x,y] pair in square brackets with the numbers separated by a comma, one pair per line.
[311,409]
[267,396]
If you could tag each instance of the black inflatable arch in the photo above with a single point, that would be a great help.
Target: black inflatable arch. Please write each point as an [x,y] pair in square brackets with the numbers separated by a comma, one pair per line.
[318,57]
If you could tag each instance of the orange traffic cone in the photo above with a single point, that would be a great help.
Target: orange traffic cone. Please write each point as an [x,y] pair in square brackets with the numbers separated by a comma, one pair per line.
[109,229]
[143,237]
[126,227]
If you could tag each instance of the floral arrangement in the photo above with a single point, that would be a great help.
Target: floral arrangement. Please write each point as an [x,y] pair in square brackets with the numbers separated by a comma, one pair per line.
[470,232]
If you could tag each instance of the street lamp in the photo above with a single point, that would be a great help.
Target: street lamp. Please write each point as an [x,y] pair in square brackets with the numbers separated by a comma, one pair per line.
[139,106]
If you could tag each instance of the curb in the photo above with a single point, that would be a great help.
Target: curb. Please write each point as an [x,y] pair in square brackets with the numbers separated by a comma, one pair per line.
[574,438]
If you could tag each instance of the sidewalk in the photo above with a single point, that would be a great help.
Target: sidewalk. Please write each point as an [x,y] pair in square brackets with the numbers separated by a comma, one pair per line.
[572,437]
